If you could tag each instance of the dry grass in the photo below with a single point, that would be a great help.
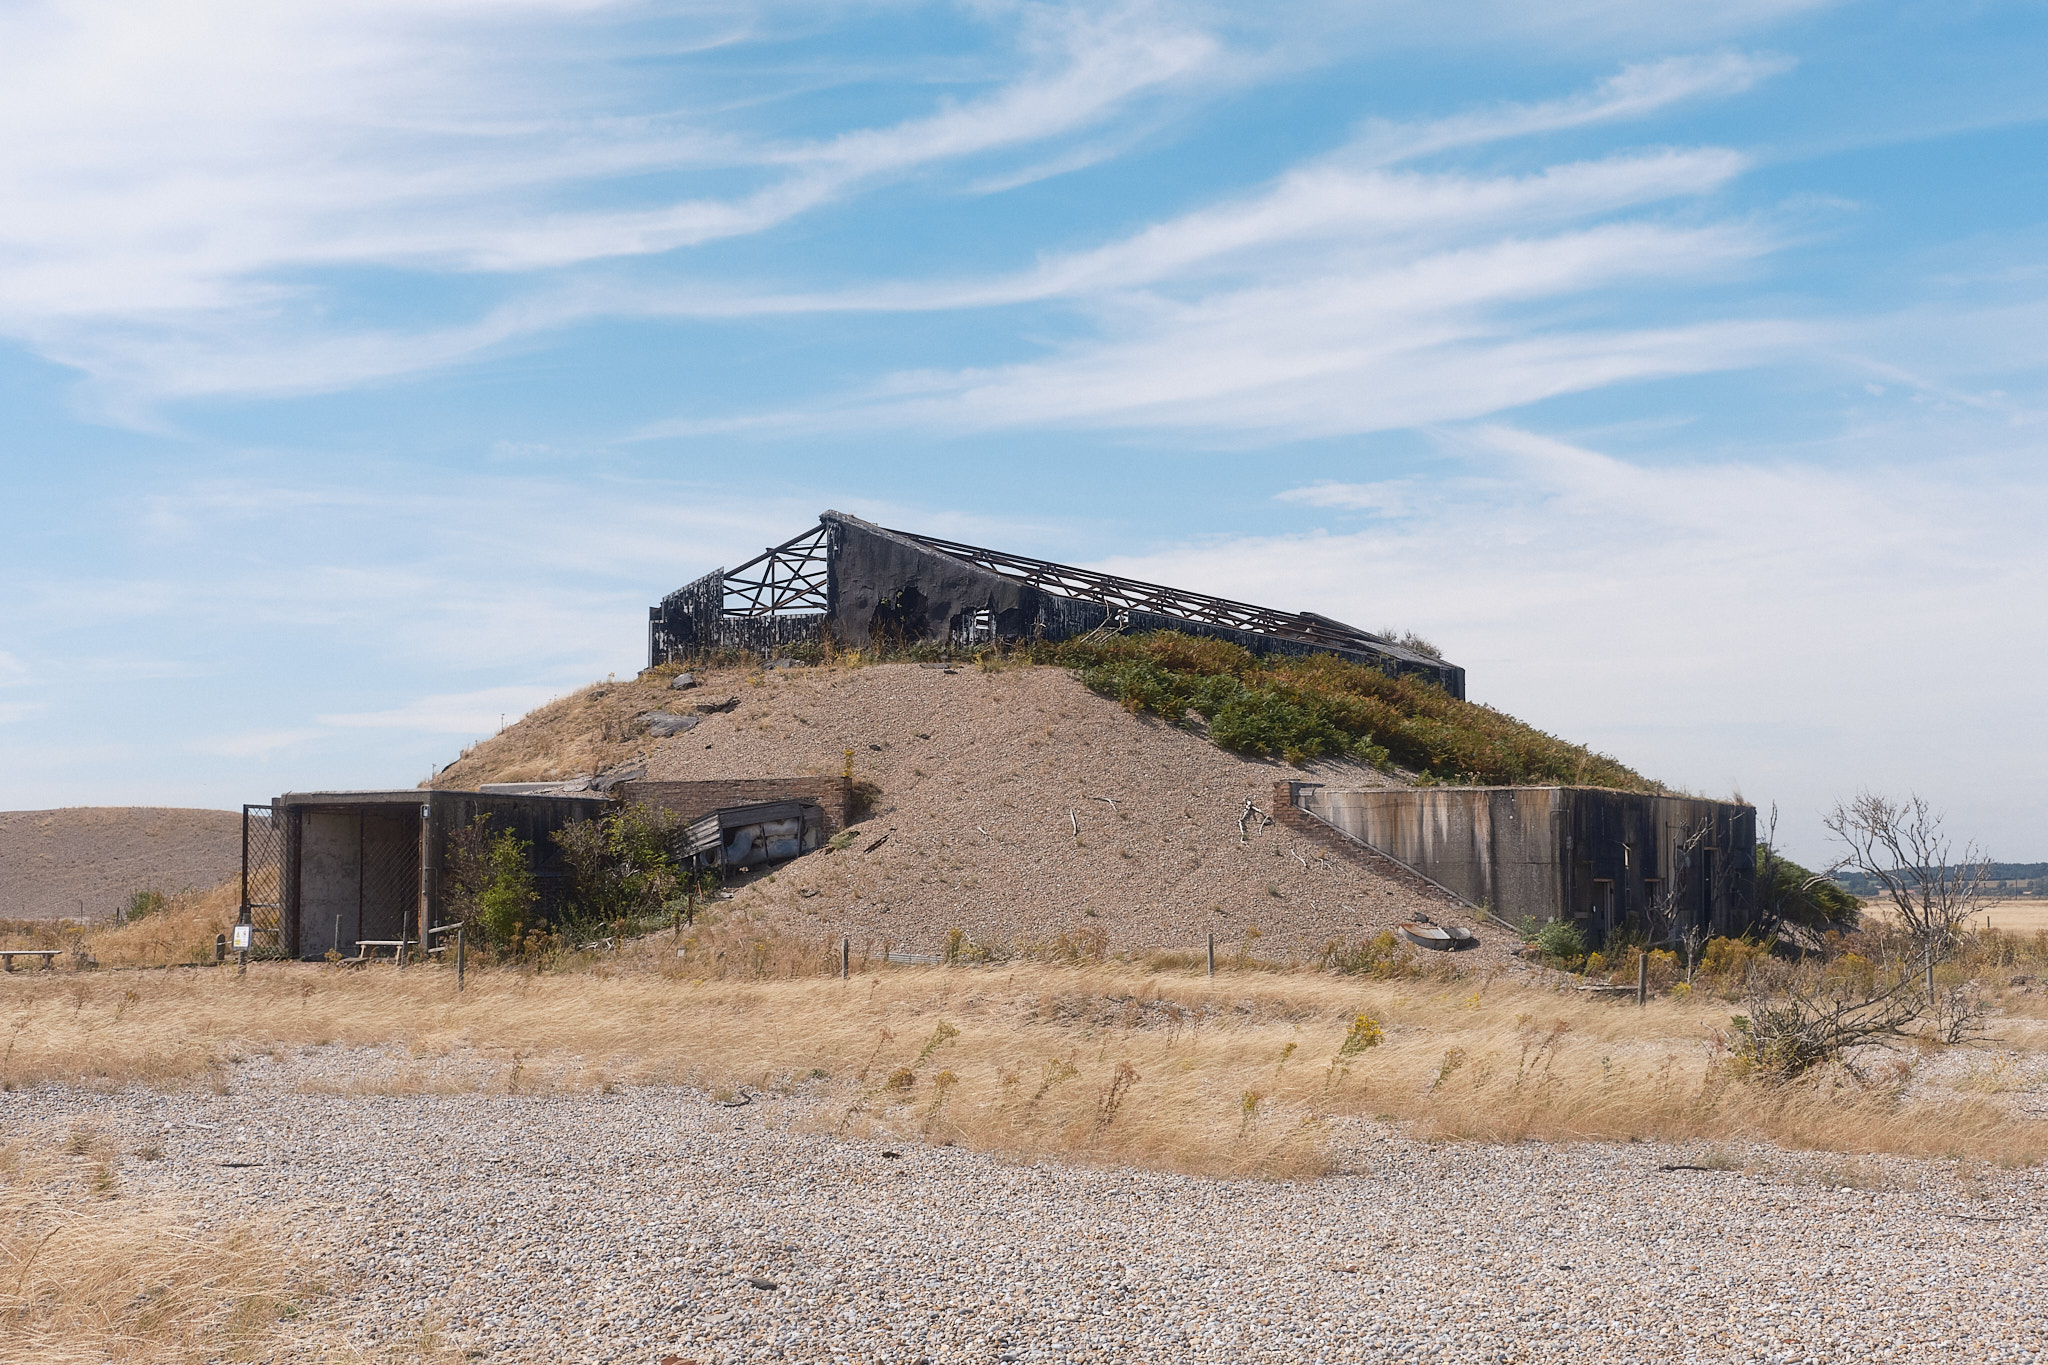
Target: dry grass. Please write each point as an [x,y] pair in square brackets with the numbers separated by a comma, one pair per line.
[87,1275]
[1244,1074]
[182,932]
[589,731]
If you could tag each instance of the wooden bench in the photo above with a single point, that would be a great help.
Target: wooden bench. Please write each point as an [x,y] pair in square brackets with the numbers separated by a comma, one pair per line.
[48,955]
[398,947]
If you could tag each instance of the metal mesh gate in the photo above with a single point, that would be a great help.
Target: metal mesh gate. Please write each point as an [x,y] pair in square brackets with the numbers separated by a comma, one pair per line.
[389,889]
[263,880]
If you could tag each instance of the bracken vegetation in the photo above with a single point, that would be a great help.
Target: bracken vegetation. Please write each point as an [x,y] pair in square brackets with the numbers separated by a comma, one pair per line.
[1300,708]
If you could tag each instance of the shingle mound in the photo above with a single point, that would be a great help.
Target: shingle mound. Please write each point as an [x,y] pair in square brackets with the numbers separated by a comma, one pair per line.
[1019,806]
[84,862]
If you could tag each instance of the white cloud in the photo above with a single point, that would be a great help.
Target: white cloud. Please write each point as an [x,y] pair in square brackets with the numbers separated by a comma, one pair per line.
[460,713]
[1435,338]
[1799,628]
[1388,497]
[256,744]
[1633,92]
[173,184]
[1348,298]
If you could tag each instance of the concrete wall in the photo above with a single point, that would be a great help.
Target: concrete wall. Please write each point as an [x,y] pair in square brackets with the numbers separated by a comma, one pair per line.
[693,800]
[357,855]
[1590,856]
[1499,848]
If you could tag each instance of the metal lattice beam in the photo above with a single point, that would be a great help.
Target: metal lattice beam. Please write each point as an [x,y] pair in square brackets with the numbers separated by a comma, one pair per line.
[786,577]
[1130,594]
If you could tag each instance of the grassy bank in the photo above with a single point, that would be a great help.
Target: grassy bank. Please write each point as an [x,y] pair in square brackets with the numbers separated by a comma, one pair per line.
[1252,1072]
[1300,708]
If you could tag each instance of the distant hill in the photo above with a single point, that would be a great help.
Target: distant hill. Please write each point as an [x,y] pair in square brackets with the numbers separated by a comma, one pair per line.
[84,862]
[2006,879]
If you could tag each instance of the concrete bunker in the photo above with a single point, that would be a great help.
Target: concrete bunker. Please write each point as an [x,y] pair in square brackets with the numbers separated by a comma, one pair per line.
[1607,861]
[366,868]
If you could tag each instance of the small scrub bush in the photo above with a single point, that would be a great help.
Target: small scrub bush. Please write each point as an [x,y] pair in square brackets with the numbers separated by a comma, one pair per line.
[143,904]
[1561,941]
[1729,962]
[1384,957]
[943,1034]
[1113,1094]
[1364,1032]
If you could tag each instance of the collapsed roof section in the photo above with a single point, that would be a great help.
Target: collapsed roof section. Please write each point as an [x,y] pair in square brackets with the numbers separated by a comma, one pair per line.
[865,585]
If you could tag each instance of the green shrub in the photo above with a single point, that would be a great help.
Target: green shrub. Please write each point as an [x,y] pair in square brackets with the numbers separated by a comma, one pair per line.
[489,882]
[622,868]
[1787,893]
[1316,706]
[143,904]
[1561,941]
[509,895]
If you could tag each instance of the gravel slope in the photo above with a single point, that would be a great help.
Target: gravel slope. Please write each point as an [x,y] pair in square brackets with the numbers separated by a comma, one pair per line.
[984,778]
[84,862]
[630,1226]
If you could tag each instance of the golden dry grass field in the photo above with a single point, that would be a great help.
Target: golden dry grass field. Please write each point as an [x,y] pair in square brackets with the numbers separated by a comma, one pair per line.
[1251,1072]
[1256,1072]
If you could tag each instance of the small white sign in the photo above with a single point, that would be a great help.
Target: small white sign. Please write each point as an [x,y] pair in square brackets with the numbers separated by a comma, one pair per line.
[245,934]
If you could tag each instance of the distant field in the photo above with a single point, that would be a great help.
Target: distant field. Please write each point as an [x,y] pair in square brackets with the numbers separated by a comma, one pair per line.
[2020,915]
[2017,916]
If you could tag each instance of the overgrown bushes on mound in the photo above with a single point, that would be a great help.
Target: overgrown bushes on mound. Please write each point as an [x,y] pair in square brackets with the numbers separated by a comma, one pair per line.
[624,877]
[1299,708]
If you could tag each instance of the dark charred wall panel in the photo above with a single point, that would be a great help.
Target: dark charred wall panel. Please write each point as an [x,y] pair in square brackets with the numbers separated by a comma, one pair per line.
[766,634]
[886,589]
[1584,855]
[686,622]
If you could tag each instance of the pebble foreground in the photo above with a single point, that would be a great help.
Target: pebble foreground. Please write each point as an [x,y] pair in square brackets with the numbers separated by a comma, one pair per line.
[658,1225]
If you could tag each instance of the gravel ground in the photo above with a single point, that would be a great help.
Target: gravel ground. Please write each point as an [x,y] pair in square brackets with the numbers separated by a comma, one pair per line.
[1020,805]
[655,1224]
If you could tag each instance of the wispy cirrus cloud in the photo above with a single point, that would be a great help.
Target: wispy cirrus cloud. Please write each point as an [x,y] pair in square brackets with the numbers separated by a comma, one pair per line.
[1341,344]
[188,182]
[1349,295]
[457,713]
[1631,93]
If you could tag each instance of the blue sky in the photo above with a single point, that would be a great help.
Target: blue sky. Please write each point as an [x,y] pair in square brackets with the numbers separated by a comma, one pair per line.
[367,370]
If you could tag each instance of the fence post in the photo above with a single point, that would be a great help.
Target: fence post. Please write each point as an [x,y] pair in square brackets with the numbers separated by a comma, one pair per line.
[1930,972]
[1643,977]
[1212,954]
[845,957]
[459,962]
[220,949]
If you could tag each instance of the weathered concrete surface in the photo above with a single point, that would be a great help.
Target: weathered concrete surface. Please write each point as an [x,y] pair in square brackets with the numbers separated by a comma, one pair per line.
[358,855]
[1591,856]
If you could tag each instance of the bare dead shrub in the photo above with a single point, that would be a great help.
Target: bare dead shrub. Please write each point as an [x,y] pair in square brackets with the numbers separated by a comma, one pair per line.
[1802,1020]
